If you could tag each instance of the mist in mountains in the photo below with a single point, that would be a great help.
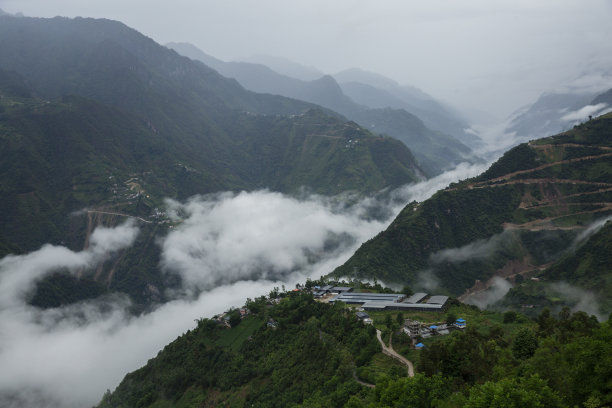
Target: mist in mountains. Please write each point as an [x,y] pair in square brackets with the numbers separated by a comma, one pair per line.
[226,247]
[479,55]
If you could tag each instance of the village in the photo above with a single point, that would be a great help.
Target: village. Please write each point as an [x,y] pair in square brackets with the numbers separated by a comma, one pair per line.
[378,303]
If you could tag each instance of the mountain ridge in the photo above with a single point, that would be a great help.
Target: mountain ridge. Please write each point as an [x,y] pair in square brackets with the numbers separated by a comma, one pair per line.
[514,218]
[435,151]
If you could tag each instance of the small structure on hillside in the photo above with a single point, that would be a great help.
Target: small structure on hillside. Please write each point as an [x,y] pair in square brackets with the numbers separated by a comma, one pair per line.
[273,324]
[419,346]
[460,323]
[412,327]
[364,317]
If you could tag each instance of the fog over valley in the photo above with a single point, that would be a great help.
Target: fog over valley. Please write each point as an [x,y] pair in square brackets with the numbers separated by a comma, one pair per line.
[227,247]
[163,162]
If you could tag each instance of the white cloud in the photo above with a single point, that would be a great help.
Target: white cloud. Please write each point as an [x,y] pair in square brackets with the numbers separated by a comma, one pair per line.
[584,300]
[479,249]
[19,273]
[259,235]
[242,244]
[498,289]
[584,112]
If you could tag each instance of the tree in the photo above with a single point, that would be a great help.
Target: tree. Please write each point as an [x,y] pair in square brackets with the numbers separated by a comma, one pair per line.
[388,320]
[451,318]
[407,290]
[513,393]
[400,319]
[525,344]
[417,392]
[564,314]
[510,316]
[546,323]
[234,319]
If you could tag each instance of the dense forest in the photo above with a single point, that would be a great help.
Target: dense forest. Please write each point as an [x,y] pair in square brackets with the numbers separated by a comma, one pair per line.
[292,350]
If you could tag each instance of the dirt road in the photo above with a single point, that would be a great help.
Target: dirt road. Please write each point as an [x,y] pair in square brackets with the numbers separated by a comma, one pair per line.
[392,353]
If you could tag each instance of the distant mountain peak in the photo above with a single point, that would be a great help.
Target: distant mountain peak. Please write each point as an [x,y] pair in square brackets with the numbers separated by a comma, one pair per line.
[285,66]
[365,77]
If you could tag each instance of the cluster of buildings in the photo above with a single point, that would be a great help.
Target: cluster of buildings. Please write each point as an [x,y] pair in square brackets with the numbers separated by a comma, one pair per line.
[414,328]
[392,301]
[224,318]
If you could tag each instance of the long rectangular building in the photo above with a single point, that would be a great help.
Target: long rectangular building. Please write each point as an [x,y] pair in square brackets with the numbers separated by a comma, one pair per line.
[392,301]
[416,298]
[418,307]
[359,298]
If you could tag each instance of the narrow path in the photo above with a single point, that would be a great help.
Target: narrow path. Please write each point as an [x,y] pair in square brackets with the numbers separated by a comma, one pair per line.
[392,353]
[119,214]
[365,384]
[544,166]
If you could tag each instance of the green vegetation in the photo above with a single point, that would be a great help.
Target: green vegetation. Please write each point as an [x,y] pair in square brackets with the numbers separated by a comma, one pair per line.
[584,276]
[520,215]
[317,351]
[308,358]
[95,115]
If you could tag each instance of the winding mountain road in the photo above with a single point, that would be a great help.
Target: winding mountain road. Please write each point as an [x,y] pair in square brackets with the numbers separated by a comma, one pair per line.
[392,353]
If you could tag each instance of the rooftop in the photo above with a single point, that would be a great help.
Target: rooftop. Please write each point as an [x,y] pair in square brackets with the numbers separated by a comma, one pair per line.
[401,306]
[437,300]
[415,298]
[352,297]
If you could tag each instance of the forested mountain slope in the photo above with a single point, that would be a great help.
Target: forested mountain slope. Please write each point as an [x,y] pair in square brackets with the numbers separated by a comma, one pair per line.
[302,353]
[95,116]
[377,91]
[187,127]
[434,150]
[517,217]
[185,102]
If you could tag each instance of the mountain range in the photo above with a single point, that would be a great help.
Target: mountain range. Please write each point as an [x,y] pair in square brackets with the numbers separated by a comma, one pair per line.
[525,217]
[554,112]
[396,111]
[134,107]
[95,116]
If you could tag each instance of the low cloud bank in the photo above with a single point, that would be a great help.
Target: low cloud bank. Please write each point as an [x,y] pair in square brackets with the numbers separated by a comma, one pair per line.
[258,235]
[227,247]
[480,249]
[589,231]
[498,289]
[18,274]
[583,113]
[583,299]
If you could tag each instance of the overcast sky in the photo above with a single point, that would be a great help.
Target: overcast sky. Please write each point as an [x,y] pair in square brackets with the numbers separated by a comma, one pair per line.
[482,54]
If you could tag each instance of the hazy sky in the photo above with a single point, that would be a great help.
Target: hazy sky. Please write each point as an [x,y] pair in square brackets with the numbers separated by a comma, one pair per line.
[490,55]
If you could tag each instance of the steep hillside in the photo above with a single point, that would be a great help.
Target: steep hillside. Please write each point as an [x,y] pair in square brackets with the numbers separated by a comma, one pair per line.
[556,112]
[195,130]
[62,157]
[581,280]
[377,91]
[518,216]
[298,352]
[434,150]
[96,116]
